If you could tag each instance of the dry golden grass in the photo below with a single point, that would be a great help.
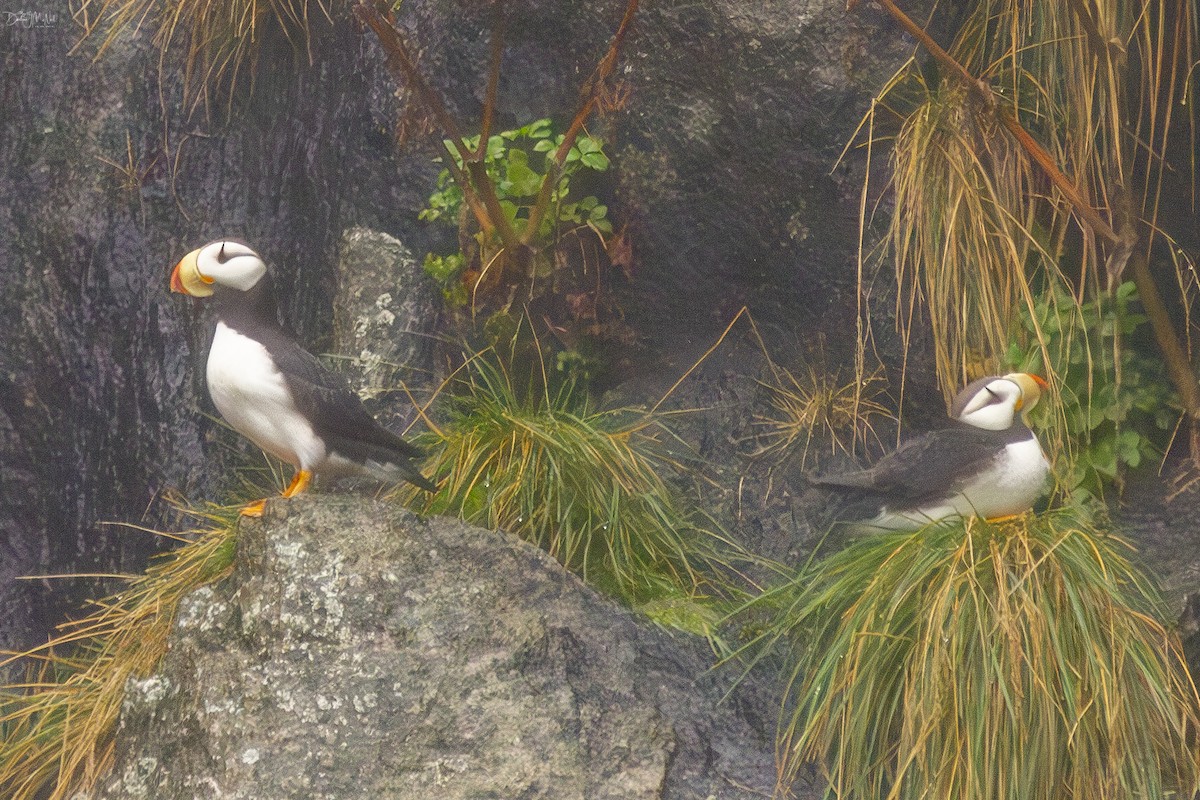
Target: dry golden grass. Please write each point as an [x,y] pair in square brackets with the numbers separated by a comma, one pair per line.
[56,729]
[818,409]
[217,38]
[977,228]
[992,661]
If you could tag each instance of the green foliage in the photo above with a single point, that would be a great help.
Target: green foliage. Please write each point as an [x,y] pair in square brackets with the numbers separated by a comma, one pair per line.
[532,457]
[518,177]
[517,172]
[996,661]
[447,272]
[1114,404]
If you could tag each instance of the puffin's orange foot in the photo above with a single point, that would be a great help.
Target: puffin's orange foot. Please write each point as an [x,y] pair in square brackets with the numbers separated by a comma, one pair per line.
[299,483]
[254,509]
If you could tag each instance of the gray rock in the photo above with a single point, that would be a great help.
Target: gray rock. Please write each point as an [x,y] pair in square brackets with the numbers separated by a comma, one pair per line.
[384,319]
[359,651]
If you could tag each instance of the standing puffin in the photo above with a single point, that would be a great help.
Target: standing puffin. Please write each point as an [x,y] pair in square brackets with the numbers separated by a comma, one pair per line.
[988,463]
[275,393]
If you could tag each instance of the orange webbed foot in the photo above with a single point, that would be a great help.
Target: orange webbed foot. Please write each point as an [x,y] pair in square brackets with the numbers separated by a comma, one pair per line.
[300,482]
[254,509]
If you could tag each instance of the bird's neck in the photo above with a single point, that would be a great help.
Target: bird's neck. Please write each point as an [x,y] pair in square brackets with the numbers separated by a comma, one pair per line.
[1016,432]
[255,308]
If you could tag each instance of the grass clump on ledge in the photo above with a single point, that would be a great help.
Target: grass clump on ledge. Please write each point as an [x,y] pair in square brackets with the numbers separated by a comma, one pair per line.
[535,459]
[56,729]
[218,38]
[1000,661]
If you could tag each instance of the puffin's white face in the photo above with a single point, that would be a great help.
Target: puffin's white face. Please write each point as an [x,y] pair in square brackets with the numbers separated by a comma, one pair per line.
[993,403]
[224,263]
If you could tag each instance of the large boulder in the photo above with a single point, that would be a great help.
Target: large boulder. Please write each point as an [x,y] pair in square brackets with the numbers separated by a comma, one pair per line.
[359,651]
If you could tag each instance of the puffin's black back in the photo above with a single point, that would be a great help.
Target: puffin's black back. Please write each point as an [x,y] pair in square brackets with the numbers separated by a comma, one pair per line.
[921,471]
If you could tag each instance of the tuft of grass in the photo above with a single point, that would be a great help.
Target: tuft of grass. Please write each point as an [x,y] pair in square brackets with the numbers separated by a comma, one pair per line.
[56,727]
[586,486]
[979,229]
[218,37]
[989,661]
[961,232]
[817,408]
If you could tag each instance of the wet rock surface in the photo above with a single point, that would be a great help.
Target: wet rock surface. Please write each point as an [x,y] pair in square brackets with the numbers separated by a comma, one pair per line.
[358,651]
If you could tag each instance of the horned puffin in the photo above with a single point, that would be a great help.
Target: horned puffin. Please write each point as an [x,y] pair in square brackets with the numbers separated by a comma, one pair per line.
[987,463]
[275,393]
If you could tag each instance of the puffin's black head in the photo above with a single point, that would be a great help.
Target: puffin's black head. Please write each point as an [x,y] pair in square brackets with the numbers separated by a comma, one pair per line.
[226,263]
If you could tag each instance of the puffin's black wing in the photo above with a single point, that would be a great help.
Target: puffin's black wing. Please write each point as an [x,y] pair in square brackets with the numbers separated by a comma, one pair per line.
[926,468]
[338,416]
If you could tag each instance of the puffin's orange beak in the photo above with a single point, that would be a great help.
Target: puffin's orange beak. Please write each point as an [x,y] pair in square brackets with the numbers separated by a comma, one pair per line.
[1032,387]
[187,279]
[176,281]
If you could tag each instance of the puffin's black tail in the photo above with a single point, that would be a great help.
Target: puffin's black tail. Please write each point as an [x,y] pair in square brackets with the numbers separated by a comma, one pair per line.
[384,462]
[845,497]
[417,479]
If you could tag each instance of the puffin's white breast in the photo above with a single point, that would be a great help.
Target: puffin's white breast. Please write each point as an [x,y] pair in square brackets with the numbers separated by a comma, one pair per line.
[253,397]
[1010,485]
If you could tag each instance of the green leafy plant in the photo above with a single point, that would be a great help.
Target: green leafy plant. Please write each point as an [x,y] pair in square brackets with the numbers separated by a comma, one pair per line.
[517,182]
[996,661]
[528,245]
[509,202]
[447,272]
[533,457]
[1114,406]
[517,172]
[57,727]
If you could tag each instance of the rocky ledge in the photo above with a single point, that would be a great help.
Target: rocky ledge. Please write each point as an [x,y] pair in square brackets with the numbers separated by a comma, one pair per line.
[360,651]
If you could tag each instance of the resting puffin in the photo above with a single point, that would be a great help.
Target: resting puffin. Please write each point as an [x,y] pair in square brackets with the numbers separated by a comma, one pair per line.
[275,393]
[988,463]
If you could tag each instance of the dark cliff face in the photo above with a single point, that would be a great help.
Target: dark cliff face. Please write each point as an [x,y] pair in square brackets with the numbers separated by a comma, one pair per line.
[101,393]
[735,114]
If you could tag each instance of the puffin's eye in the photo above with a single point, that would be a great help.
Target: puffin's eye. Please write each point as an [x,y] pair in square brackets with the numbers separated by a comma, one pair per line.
[221,255]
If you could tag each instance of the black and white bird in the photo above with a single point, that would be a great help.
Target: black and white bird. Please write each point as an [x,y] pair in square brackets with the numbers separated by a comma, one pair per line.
[275,393]
[987,463]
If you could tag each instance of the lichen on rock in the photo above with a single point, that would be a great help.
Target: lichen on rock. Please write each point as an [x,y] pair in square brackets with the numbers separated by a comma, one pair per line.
[360,651]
